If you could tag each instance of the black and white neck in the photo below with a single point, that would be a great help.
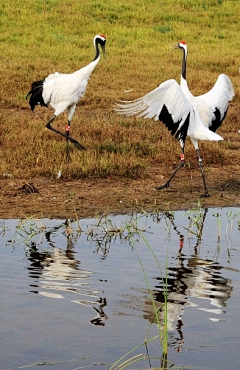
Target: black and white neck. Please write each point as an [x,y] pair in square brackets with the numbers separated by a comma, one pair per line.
[182,45]
[85,72]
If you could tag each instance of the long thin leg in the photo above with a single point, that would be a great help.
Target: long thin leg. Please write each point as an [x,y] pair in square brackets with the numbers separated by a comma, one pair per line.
[181,164]
[75,142]
[67,135]
[200,162]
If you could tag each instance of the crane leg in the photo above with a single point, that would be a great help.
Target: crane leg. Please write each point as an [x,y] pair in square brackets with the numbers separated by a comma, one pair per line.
[67,135]
[75,142]
[181,164]
[200,162]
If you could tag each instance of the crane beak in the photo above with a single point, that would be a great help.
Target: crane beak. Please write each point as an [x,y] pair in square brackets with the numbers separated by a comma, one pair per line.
[174,47]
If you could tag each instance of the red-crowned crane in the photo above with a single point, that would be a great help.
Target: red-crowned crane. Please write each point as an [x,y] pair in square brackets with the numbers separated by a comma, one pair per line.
[63,91]
[182,113]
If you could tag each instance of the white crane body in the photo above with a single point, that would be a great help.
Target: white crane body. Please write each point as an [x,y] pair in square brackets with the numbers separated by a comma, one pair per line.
[63,91]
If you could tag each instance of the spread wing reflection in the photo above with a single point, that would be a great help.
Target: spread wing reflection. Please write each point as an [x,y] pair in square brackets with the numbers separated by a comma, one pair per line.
[191,282]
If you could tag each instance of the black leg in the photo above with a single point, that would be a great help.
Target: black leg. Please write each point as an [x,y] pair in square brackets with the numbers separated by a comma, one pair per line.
[75,142]
[67,135]
[200,162]
[181,164]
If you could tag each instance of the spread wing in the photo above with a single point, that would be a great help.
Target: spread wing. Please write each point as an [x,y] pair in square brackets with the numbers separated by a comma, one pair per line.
[214,104]
[166,103]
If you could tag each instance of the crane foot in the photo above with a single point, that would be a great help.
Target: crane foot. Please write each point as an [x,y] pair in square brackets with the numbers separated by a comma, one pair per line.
[77,144]
[205,195]
[163,186]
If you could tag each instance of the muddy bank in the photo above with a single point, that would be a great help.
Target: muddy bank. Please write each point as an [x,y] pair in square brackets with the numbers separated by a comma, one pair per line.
[42,197]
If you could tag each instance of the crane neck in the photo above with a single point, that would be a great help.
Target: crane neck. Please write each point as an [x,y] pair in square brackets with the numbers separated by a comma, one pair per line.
[91,66]
[86,71]
[184,64]
[97,52]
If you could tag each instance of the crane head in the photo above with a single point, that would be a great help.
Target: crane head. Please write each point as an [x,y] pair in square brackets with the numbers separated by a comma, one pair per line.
[101,40]
[180,45]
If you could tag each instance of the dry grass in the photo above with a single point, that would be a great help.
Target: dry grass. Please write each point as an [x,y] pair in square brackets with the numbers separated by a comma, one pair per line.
[42,37]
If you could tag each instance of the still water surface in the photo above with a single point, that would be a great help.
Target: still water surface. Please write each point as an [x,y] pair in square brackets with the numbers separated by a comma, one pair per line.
[73,296]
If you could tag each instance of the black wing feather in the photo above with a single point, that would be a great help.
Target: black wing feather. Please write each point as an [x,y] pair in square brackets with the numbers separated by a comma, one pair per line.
[36,95]
[172,126]
[218,120]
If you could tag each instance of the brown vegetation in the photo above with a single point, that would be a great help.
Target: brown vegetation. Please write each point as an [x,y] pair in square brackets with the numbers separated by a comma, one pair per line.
[125,157]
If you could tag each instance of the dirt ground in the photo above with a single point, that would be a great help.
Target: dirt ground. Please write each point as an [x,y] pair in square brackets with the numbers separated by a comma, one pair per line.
[42,197]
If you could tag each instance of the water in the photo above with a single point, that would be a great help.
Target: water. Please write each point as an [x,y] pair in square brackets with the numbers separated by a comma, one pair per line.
[73,295]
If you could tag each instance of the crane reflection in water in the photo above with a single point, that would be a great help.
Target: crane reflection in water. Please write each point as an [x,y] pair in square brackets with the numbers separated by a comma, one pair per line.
[188,278]
[57,274]
[57,270]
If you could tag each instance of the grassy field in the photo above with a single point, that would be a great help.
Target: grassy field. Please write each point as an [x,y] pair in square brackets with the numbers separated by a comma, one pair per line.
[43,36]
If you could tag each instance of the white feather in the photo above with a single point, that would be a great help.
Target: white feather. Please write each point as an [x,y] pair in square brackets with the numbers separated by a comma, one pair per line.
[218,97]
[151,104]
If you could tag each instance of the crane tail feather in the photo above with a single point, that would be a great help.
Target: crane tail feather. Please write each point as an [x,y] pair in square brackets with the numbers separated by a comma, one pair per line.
[36,95]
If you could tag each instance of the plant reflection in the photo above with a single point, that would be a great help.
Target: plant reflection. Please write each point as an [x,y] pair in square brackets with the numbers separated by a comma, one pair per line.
[106,233]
